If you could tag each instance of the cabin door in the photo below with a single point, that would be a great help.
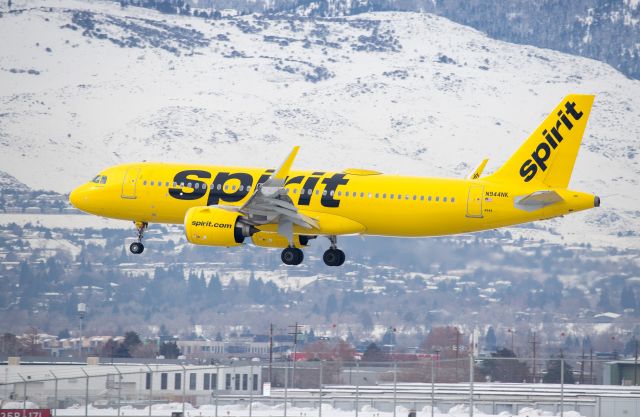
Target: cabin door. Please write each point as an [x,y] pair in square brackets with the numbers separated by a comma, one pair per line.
[474,202]
[129,183]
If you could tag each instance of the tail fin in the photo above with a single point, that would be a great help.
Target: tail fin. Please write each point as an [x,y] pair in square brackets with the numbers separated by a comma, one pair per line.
[549,154]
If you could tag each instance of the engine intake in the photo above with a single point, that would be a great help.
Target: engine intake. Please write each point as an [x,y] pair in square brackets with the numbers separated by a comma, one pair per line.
[214,226]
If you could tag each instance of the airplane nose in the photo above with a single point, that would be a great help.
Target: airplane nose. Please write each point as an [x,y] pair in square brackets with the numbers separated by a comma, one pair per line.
[74,198]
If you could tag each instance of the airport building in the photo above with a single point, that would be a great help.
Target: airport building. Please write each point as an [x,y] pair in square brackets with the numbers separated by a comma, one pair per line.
[62,384]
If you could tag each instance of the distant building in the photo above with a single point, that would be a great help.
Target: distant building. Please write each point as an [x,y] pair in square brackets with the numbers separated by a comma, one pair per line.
[622,372]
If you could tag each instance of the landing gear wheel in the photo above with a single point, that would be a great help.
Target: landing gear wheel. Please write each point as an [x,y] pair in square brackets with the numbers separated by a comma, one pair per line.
[136,248]
[292,256]
[333,257]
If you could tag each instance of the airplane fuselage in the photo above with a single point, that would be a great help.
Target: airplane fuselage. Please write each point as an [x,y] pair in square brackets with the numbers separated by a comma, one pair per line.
[365,202]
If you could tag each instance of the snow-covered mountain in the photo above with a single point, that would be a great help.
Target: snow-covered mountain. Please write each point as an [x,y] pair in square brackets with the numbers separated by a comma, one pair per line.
[84,85]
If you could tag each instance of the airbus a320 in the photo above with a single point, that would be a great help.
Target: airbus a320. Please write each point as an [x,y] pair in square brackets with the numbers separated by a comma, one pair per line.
[285,208]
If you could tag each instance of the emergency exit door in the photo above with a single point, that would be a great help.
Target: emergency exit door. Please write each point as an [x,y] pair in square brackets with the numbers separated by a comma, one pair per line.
[129,183]
[474,202]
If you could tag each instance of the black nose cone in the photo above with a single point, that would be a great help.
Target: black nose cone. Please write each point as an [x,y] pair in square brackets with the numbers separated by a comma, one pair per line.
[596,201]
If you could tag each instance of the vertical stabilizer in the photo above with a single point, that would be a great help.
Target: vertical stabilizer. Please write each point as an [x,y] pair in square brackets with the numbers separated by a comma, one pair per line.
[547,157]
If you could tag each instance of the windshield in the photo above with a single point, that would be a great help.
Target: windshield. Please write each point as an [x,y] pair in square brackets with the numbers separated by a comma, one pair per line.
[99,179]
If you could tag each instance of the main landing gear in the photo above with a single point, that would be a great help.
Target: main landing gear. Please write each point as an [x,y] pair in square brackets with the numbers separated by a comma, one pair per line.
[333,256]
[292,256]
[137,247]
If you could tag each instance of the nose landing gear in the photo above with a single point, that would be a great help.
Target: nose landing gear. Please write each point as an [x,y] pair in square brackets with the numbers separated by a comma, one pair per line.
[137,247]
[333,256]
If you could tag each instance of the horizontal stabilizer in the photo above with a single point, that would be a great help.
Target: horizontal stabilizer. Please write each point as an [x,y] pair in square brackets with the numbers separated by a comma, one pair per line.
[537,200]
[475,174]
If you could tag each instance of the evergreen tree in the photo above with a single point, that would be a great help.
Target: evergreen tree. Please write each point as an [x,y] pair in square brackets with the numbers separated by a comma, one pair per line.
[554,372]
[331,306]
[628,298]
[365,320]
[373,354]
[604,301]
[170,350]
[490,341]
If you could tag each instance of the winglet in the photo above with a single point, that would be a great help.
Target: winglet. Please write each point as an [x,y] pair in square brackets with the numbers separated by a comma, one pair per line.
[475,174]
[284,169]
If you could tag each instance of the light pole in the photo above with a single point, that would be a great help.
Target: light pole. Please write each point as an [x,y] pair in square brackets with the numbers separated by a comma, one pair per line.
[82,311]
[512,333]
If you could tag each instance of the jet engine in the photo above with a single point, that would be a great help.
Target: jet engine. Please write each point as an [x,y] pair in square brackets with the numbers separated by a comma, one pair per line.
[274,240]
[214,226]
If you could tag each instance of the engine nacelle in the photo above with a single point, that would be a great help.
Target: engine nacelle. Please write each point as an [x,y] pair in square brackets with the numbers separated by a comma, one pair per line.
[274,240]
[214,226]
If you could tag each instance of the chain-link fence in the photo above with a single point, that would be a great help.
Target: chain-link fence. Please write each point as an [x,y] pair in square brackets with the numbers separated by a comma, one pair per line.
[448,386]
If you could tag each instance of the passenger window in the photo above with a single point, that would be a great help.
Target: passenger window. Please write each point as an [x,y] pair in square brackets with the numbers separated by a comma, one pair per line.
[151,183]
[391,196]
[361,195]
[189,185]
[377,195]
[317,192]
[159,183]
[421,198]
[182,184]
[226,187]
[197,185]
[295,191]
[437,199]
[144,182]
[241,188]
[175,184]
[339,193]
[324,192]
[219,187]
[204,186]
[166,184]
[399,196]
[331,193]
[233,188]
[384,195]
[415,197]
[453,199]
[406,197]
[429,199]
[444,199]
[369,195]
[310,191]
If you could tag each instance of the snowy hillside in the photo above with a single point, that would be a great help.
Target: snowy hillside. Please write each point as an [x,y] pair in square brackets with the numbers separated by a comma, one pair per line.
[84,85]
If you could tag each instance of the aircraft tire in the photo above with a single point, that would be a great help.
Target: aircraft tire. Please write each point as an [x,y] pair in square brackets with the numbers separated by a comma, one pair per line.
[333,257]
[292,256]
[136,248]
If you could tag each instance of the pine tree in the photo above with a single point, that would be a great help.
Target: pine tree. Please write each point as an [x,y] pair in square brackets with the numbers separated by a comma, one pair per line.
[628,298]
[490,341]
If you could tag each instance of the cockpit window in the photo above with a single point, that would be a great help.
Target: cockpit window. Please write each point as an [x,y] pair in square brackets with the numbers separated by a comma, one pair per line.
[99,179]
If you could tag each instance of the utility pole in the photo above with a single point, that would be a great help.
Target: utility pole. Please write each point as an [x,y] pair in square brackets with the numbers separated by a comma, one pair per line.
[270,351]
[457,349]
[534,343]
[591,365]
[582,366]
[295,350]
[635,366]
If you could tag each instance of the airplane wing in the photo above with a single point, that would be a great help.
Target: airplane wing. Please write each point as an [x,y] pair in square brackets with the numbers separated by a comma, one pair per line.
[537,200]
[270,203]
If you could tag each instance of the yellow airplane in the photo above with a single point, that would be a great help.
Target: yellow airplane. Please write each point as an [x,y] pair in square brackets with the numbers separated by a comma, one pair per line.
[282,208]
